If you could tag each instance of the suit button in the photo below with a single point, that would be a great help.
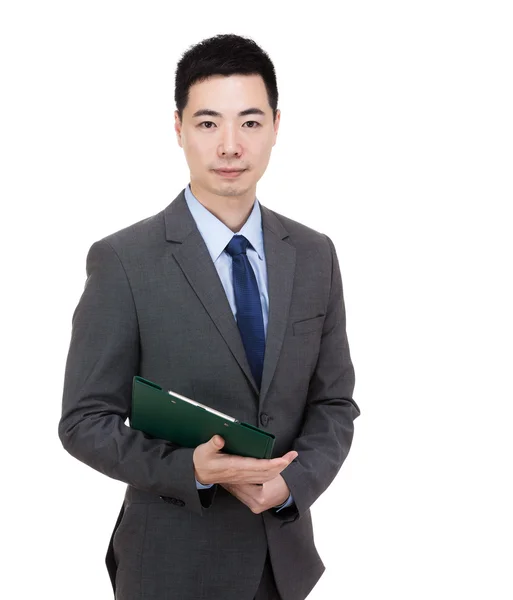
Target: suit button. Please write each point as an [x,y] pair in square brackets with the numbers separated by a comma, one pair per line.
[264,419]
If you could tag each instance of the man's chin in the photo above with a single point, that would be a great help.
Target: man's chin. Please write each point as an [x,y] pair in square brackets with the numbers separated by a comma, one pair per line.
[230,189]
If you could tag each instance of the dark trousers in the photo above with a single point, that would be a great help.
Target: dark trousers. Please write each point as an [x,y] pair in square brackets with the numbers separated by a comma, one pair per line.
[267,588]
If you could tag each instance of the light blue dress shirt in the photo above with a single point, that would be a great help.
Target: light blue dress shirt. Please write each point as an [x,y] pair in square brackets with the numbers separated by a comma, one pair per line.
[217,236]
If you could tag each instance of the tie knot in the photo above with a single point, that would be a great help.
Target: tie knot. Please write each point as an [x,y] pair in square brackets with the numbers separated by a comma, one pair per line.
[237,245]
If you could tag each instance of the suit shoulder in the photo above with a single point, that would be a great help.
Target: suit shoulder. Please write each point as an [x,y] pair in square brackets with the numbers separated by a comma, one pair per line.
[299,232]
[138,235]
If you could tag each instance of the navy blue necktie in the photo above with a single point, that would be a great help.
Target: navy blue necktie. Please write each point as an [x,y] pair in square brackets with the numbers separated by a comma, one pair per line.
[249,309]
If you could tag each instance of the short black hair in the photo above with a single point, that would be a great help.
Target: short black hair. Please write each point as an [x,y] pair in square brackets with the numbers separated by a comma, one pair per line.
[224,54]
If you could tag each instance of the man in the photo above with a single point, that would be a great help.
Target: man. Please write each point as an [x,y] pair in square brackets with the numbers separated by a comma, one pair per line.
[225,301]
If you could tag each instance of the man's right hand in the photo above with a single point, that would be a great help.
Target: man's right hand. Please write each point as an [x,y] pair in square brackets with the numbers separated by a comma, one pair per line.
[213,466]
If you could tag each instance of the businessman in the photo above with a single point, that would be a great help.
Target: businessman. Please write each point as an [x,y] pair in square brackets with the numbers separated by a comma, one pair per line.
[223,300]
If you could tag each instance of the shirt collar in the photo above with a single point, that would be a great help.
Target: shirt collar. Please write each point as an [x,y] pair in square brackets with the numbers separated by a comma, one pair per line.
[217,235]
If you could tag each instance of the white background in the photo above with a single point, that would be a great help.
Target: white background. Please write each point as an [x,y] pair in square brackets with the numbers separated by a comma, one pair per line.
[396,140]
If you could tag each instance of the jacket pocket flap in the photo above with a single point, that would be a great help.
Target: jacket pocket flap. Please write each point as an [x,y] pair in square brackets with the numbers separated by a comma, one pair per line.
[307,325]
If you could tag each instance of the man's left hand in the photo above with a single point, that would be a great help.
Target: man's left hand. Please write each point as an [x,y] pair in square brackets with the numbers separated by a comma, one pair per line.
[260,497]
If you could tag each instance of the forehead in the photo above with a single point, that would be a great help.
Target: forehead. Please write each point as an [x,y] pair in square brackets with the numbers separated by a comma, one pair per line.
[228,94]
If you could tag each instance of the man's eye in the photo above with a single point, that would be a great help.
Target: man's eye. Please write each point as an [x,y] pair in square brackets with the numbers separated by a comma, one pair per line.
[208,124]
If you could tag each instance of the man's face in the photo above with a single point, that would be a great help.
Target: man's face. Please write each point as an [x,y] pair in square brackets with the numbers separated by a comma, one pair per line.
[225,138]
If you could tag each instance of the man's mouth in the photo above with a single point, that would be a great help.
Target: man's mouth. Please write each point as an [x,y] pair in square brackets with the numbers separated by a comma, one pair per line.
[229,172]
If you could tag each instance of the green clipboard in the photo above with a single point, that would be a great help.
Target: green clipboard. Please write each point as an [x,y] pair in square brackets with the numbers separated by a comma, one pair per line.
[170,416]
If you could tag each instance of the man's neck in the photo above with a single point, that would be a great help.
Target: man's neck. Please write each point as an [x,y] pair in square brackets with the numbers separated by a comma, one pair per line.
[233,211]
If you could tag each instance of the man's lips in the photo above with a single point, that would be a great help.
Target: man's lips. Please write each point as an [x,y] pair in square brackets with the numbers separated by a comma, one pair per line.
[229,172]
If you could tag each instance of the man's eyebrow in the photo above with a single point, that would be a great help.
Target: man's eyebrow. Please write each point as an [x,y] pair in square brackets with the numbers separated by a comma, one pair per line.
[213,113]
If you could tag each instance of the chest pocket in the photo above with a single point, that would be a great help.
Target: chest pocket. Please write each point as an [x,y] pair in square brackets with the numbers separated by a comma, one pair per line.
[308,325]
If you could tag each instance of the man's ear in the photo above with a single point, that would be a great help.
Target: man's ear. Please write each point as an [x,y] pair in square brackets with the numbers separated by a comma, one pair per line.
[276,124]
[178,129]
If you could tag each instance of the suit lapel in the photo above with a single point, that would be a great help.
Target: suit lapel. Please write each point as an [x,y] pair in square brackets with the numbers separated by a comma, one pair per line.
[191,254]
[280,258]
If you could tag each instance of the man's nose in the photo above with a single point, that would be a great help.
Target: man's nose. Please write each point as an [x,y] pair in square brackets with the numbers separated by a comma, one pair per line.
[229,144]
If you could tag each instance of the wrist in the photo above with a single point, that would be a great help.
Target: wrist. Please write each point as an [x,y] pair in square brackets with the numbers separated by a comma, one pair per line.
[197,475]
[199,479]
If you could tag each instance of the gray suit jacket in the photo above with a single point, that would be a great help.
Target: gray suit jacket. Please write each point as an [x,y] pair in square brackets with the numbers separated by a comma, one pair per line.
[153,305]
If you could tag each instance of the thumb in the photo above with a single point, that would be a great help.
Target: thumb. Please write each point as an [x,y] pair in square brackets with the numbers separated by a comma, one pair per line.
[217,442]
[290,456]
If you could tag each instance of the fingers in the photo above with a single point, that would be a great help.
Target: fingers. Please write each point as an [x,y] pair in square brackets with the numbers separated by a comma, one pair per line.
[290,456]
[213,465]
[215,443]
[241,492]
[255,470]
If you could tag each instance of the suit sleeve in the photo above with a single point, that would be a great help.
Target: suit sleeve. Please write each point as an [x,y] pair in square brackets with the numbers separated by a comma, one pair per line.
[328,427]
[102,359]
